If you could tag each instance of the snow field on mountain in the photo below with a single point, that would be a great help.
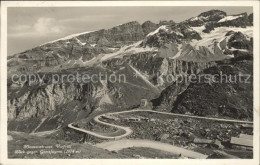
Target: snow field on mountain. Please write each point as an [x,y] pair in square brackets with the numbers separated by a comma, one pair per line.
[163,27]
[217,35]
[229,18]
[67,37]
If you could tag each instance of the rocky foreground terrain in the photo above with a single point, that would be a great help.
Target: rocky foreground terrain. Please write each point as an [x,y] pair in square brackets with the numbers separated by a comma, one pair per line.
[210,43]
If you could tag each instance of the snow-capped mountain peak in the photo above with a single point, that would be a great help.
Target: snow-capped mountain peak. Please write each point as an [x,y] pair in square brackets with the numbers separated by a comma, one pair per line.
[201,38]
[228,18]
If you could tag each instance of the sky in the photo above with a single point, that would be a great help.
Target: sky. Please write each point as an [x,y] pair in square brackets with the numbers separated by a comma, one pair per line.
[29,27]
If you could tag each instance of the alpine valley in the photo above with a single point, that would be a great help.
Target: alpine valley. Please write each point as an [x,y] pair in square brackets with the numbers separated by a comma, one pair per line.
[164,111]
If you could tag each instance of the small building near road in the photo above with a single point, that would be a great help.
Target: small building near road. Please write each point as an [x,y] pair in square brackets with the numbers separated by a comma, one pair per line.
[108,117]
[243,140]
[145,104]
[247,126]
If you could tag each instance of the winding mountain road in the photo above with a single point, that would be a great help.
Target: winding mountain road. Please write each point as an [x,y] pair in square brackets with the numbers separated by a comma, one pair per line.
[124,143]
[128,130]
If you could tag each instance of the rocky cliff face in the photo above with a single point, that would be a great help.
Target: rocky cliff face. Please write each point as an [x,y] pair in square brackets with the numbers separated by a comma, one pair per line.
[128,32]
[233,99]
[162,70]
[44,101]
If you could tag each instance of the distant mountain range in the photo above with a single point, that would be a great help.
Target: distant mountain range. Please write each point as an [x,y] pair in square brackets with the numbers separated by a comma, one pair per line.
[204,35]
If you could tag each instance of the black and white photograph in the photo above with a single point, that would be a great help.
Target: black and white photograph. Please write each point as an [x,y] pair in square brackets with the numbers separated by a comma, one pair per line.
[130,82]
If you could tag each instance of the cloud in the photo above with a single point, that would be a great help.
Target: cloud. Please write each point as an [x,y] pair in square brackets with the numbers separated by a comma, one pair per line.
[87,18]
[42,27]
[47,26]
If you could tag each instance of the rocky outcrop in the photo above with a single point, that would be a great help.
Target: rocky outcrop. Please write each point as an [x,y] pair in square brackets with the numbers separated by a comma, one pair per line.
[233,99]
[167,34]
[213,15]
[188,33]
[239,41]
[251,19]
[209,27]
[168,96]
[165,22]
[178,78]
[148,27]
[205,17]
[216,18]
